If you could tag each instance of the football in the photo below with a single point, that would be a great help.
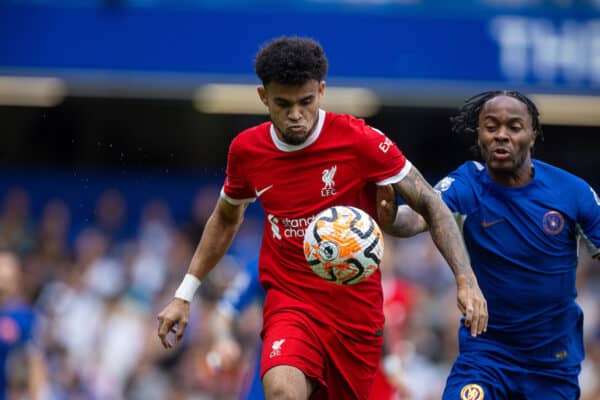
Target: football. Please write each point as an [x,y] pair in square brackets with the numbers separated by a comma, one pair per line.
[343,245]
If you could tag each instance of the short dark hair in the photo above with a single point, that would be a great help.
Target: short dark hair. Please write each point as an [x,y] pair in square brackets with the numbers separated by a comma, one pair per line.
[467,119]
[291,61]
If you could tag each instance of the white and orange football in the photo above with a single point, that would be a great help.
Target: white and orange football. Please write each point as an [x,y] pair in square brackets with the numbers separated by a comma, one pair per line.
[343,245]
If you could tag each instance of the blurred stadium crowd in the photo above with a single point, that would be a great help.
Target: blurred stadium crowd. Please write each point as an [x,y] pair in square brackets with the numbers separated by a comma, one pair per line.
[96,290]
[95,273]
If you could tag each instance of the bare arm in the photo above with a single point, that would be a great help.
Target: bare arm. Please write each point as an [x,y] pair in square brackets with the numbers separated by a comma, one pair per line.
[398,221]
[421,197]
[218,234]
[219,231]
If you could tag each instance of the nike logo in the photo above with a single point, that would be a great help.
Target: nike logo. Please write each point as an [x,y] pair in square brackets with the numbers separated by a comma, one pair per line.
[486,224]
[260,192]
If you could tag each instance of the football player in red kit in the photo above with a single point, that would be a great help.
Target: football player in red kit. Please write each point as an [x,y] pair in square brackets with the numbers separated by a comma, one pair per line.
[320,340]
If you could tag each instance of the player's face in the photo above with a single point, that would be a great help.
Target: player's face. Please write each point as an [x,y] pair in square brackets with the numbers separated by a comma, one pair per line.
[506,136]
[294,110]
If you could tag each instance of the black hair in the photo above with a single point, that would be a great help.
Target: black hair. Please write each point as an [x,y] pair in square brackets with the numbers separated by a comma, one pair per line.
[291,61]
[467,120]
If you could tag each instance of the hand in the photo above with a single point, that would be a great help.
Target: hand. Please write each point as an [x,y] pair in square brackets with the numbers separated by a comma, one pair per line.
[472,304]
[173,318]
[224,355]
[386,207]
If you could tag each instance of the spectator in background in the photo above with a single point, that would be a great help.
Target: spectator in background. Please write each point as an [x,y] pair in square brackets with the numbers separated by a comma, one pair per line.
[111,219]
[52,245]
[521,220]
[23,372]
[51,257]
[591,375]
[149,267]
[103,273]
[17,231]
[202,204]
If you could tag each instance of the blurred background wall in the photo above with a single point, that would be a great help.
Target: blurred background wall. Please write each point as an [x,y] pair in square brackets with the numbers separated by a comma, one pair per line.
[115,117]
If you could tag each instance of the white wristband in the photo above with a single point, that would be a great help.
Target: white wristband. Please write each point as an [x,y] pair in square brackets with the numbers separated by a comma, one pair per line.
[188,288]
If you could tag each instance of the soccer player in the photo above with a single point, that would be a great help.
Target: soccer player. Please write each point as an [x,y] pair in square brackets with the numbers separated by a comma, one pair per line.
[319,339]
[521,220]
[244,291]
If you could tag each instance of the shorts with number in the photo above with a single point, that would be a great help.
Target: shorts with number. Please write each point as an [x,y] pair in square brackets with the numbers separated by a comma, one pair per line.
[342,367]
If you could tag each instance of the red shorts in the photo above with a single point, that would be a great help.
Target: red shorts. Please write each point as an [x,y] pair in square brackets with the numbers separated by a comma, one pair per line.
[343,367]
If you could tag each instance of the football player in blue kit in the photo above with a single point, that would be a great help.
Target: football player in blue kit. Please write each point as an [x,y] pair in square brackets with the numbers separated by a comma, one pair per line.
[522,220]
[243,291]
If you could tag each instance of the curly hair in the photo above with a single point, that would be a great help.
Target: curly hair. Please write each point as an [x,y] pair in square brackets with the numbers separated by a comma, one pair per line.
[467,120]
[290,61]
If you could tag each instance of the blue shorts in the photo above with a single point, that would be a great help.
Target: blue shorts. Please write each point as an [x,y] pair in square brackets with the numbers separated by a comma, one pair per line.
[478,375]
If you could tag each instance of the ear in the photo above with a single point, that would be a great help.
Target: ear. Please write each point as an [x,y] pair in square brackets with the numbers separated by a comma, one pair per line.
[533,140]
[322,88]
[262,94]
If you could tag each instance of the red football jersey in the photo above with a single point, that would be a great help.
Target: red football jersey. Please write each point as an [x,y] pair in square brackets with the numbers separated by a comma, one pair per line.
[338,164]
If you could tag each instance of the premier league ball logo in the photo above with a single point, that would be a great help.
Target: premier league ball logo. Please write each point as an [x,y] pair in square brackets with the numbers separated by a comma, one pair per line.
[343,245]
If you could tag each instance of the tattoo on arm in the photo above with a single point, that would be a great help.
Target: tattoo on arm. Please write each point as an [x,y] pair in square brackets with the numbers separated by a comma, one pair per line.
[421,197]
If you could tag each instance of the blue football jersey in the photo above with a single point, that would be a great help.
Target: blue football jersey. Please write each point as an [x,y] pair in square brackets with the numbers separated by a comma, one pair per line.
[243,291]
[523,245]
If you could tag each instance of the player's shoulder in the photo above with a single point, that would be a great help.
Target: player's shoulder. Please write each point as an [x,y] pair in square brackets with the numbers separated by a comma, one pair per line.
[352,130]
[345,121]
[254,134]
[553,175]
[469,171]
[564,187]
[466,176]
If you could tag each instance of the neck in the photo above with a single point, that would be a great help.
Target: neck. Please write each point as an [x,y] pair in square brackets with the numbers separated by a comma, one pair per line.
[519,177]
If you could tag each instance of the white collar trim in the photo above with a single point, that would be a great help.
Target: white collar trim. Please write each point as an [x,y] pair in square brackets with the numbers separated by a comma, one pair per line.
[281,145]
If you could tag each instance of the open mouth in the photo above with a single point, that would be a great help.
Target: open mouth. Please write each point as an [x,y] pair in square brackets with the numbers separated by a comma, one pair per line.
[500,154]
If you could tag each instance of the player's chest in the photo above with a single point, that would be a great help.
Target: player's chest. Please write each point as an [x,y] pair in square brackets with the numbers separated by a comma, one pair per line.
[292,182]
[532,217]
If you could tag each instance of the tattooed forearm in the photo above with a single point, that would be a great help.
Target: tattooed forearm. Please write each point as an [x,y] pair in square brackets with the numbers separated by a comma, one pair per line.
[447,237]
[444,231]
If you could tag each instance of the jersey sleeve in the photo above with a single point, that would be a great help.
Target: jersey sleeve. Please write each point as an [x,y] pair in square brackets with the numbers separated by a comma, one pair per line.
[236,189]
[243,291]
[588,219]
[447,189]
[455,193]
[380,160]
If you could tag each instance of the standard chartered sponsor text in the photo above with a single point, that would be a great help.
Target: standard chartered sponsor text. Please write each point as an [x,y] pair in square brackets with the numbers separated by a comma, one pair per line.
[292,227]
